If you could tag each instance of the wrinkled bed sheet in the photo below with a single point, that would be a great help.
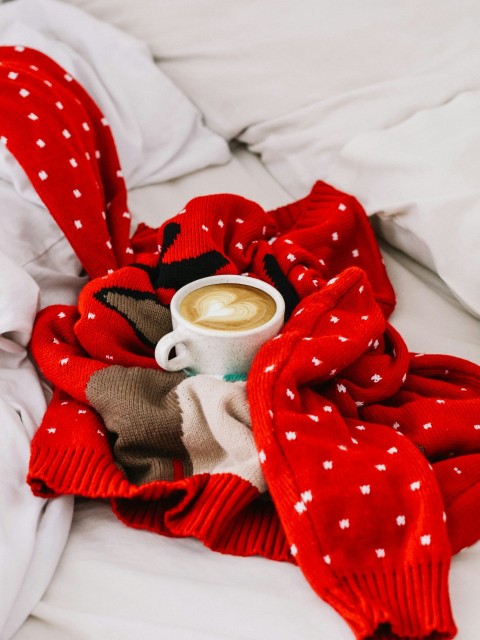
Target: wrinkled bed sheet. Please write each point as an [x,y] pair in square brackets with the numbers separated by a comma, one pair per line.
[135,570]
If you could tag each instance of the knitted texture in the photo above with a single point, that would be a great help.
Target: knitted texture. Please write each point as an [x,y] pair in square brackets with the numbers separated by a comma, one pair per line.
[65,146]
[359,501]
[370,454]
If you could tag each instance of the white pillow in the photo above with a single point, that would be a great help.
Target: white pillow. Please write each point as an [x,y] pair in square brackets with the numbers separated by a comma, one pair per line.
[298,80]
[421,177]
[158,131]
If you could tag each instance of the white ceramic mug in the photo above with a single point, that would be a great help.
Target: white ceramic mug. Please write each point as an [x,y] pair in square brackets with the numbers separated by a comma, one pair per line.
[210,350]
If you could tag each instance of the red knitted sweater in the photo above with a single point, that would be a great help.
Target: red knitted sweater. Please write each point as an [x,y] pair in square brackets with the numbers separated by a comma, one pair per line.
[371,454]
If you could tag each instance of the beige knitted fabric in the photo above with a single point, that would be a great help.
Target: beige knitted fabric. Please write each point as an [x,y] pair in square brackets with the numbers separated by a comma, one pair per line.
[155,416]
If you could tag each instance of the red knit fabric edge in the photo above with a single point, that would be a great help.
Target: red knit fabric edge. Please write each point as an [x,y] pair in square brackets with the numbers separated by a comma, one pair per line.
[222,510]
[409,602]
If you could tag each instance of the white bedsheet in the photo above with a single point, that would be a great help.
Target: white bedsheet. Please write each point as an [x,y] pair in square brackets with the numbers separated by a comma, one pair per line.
[112,581]
[32,531]
[116,582]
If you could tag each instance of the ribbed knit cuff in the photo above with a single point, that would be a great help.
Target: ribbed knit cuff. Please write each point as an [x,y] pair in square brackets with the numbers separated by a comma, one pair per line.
[412,602]
[224,511]
[76,470]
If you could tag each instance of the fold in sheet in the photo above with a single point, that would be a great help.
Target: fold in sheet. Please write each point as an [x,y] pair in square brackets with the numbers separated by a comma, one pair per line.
[33,531]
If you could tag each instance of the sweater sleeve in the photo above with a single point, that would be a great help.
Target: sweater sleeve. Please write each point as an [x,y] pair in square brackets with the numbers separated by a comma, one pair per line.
[359,502]
[65,146]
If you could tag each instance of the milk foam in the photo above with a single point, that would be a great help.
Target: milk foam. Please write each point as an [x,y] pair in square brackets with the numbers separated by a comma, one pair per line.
[228,307]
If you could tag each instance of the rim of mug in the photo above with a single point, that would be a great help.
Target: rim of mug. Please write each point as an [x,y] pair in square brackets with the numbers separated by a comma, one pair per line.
[227,278]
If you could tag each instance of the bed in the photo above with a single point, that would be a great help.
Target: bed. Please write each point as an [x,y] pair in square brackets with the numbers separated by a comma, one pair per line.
[258,99]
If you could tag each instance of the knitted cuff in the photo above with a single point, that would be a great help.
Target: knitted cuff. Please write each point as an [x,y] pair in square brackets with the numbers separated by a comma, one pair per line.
[399,602]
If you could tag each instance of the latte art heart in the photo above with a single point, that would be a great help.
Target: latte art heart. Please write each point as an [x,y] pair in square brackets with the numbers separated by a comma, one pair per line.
[219,307]
[225,305]
[228,307]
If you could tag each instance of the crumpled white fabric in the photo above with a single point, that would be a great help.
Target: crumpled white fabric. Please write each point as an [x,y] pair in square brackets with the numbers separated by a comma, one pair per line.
[420,177]
[33,531]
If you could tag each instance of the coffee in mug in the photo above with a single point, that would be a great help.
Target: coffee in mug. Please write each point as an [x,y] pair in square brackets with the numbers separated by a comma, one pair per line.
[228,306]
[219,324]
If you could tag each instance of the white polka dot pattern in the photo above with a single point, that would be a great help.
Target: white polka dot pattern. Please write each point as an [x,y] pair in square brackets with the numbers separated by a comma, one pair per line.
[62,141]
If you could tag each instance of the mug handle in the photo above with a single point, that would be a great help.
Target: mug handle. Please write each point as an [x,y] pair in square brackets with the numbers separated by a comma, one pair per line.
[166,344]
